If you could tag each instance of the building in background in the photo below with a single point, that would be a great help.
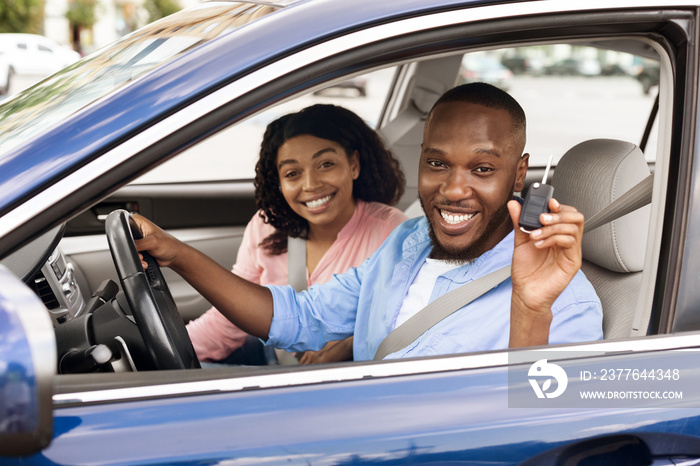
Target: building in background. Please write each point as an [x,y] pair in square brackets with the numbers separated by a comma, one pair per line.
[113,19]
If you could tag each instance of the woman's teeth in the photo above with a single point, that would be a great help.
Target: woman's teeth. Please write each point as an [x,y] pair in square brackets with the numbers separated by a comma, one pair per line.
[318,202]
[455,219]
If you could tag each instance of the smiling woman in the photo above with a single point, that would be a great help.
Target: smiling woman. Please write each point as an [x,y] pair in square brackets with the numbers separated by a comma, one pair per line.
[369,171]
[325,177]
[316,178]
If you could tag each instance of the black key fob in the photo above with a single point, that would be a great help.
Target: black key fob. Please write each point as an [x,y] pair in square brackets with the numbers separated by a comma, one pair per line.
[536,203]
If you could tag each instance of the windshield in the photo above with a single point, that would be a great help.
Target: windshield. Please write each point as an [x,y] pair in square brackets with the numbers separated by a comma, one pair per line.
[36,109]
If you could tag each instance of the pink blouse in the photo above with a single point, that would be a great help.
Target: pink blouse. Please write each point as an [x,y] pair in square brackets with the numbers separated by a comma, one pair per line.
[214,337]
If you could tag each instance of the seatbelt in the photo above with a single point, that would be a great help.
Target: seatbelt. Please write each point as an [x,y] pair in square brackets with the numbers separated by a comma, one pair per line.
[296,277]
[296,263]
[447,304]
[638,196]
[442,307]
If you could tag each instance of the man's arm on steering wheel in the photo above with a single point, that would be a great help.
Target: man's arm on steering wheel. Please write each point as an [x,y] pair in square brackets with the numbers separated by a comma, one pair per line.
[246,304]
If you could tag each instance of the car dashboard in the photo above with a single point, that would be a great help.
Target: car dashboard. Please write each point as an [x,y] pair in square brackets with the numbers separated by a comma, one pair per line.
[56,285]
[95,333]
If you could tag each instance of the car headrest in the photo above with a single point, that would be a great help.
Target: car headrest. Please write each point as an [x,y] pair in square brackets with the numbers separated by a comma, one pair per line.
[590,176]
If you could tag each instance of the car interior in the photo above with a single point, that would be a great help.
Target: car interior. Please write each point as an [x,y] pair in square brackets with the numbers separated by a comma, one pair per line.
[595,162]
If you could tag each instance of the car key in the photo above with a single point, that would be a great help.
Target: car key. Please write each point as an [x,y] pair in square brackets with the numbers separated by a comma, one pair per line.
[536,203]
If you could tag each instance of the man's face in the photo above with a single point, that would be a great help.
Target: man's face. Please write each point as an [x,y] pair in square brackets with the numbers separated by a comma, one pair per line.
[470,165]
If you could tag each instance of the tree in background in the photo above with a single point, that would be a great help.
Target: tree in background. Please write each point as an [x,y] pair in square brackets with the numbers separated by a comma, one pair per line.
[21,15]
[158,9]
[82,14]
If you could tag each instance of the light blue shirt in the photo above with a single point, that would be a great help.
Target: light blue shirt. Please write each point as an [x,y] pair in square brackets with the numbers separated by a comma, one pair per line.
[365,302]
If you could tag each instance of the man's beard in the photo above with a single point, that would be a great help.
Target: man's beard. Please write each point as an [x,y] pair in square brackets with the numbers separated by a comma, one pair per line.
[472,251]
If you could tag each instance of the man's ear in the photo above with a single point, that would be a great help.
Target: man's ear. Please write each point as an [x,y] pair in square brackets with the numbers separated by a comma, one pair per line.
[521,171]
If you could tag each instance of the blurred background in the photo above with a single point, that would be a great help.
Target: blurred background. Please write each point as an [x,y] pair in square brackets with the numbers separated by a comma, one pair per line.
[83,25]
[40,37]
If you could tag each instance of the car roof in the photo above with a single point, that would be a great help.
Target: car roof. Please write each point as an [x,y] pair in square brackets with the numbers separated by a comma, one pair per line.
[203,68]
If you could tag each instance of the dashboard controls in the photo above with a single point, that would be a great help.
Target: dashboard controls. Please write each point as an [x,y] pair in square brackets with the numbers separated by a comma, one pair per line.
[67,300]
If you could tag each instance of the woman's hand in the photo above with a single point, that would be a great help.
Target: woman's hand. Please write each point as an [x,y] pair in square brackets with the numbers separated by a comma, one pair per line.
[334,351]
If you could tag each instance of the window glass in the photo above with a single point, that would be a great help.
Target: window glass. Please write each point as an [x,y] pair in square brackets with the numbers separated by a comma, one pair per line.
[30,113]
[571,93]
[232,154]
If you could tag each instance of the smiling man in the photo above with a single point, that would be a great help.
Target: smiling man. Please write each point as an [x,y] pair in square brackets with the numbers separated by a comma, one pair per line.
[468,172]
[471,165]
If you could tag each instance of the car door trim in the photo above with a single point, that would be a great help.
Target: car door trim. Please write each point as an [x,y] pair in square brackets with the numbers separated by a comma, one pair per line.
[374,369]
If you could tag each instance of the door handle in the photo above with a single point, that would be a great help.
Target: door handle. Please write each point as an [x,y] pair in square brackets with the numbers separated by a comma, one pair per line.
[102,210]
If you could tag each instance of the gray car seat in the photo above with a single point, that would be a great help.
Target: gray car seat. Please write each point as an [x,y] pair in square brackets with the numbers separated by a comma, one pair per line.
[590,176]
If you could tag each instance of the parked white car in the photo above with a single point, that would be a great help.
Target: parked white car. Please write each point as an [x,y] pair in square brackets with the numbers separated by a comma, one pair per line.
[31,55]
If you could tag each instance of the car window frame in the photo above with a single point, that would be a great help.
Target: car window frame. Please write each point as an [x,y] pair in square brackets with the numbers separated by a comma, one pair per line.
[676,308]
[153,154]
[244,106]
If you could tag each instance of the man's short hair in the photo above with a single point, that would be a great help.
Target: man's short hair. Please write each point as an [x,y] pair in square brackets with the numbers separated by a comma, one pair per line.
[489,96]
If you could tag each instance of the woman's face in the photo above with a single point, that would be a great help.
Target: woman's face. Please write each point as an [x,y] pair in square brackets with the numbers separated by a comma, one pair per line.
[316,178]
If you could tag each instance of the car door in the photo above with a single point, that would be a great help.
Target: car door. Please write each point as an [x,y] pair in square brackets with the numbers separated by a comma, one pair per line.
[481,408]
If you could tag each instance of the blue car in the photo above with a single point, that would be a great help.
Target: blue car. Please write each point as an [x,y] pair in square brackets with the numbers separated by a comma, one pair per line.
[167,122]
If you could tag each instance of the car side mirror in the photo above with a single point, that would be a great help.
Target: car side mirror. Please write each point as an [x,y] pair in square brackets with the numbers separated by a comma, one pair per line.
[27,369]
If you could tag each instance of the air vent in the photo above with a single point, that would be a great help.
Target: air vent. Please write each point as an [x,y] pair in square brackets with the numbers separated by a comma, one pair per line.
[43,290]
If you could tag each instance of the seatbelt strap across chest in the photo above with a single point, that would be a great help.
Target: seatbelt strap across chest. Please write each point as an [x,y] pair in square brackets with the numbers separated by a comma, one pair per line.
[296,263]
[442,307]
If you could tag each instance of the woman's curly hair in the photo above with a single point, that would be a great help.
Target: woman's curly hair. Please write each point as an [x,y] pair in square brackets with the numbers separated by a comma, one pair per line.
[380,179]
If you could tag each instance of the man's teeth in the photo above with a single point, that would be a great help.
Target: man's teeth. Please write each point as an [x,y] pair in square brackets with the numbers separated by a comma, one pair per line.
[318,202]
[455,219]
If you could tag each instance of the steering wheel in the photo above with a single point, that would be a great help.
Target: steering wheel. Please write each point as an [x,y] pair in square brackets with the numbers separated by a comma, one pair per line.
[151,302]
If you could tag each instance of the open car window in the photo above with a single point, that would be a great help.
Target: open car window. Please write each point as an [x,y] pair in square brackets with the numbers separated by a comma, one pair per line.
[570,91]
[592,98]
